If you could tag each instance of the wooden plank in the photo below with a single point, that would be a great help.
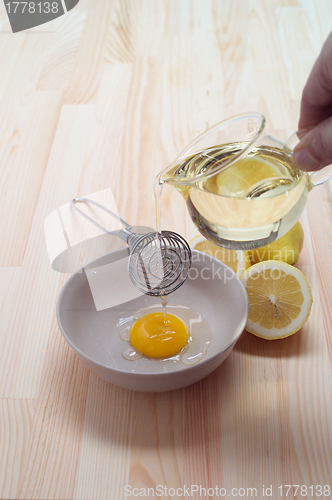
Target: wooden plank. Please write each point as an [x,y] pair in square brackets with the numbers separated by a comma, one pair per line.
[25,154]
[59,63]
[268,64]
[27,327]
[9,277]
[91,54]
[157,441]
[309,378]
[16,422]
[57,425]
[105,442]
[103,161]
[299,48]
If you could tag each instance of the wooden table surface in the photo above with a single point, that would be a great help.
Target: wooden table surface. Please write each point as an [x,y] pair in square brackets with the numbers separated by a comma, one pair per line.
[105,97]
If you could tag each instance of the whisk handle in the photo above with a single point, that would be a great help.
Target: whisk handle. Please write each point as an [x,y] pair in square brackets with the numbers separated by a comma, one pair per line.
[87,200]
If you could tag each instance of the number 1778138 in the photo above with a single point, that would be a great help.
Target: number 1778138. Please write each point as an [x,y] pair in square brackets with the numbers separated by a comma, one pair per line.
[32,7]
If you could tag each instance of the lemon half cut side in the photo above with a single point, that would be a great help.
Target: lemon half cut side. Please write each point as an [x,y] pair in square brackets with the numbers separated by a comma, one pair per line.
[237,260]
[280,299]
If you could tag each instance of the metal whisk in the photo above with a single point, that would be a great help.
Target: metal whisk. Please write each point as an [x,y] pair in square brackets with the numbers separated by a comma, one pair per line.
[159,263]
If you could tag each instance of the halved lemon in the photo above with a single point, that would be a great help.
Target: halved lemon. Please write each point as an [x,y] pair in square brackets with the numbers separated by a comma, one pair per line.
[280,299]
[287,248]
[237,260]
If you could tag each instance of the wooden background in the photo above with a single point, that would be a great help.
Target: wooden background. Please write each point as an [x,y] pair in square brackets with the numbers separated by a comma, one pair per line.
[105,97]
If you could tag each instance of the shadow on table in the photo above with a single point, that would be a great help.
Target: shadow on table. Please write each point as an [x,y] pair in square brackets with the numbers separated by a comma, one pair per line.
[282,348]
[235,400]
[200,415]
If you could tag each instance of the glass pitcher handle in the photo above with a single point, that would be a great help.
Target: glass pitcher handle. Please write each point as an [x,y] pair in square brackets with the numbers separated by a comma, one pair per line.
[318,176]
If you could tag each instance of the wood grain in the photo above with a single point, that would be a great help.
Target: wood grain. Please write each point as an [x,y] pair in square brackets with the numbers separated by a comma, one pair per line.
[106,96]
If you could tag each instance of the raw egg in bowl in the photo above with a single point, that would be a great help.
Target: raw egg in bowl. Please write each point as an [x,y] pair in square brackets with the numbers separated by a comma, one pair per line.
[130,339]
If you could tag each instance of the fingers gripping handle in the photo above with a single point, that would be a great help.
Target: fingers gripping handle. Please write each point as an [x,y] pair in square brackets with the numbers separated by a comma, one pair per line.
[316,177]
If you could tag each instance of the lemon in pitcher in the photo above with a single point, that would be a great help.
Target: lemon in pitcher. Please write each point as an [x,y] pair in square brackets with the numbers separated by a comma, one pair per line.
[242,205]
[247,172]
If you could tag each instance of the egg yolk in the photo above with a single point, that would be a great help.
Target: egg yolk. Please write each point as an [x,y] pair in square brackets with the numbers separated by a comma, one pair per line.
[154,337]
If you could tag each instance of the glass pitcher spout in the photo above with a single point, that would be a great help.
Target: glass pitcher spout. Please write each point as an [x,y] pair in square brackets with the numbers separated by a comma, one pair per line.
[202,158]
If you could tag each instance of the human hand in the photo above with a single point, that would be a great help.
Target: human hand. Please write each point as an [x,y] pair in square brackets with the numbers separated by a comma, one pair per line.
[314,151]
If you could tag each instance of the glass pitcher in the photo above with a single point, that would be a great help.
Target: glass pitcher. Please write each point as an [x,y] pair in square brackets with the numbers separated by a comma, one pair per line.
[240,184]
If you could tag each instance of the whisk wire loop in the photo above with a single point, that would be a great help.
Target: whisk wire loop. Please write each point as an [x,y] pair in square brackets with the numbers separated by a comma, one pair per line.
[159,263]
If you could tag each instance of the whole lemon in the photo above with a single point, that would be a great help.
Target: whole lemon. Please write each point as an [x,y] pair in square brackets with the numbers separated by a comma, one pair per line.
[287,248]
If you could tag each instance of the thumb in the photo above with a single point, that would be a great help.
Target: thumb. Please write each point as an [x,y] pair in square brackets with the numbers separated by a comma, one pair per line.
[314,151]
